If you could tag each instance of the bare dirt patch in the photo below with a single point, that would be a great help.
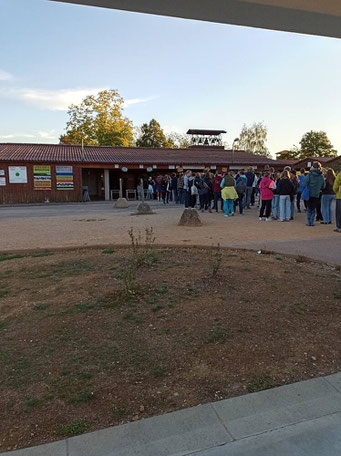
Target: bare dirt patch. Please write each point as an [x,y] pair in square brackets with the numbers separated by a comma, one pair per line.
[92,338]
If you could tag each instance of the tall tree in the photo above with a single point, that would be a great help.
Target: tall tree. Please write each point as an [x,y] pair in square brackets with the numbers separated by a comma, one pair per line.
[152,135]
[292,154]
[316,144]
[99,120]
[178,140]
[253,139]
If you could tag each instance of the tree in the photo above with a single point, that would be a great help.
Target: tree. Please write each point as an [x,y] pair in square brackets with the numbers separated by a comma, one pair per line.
[178,140]
[292,154]
[253,139]
[152,135]
[316,144]
[99,120]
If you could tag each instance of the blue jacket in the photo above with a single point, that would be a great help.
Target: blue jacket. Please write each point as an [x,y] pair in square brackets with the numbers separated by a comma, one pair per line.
[301,178]
[315,182]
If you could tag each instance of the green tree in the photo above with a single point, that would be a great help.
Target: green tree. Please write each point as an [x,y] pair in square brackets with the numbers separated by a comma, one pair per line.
[292,154]
[253,139]
[152,135]
[99,120]
[316,144]
[178,140]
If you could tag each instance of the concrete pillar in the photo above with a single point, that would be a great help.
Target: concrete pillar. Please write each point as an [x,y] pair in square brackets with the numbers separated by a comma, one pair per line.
[106,185]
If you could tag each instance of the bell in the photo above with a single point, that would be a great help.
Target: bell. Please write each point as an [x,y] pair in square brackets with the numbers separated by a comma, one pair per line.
[206,142]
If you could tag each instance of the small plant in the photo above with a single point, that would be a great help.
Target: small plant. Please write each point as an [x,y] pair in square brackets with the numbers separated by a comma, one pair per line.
[215,260]
[298,308]
[260,383]
[157,308]
[39,307]
[337,295]
[74,428]
[83,396]
[108,251]
[302,259]
[31,404]
[159,372]
[143,253]
[217,335]
[119,411]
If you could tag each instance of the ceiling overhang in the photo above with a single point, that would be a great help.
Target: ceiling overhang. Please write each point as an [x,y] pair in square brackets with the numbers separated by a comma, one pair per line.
[315,17]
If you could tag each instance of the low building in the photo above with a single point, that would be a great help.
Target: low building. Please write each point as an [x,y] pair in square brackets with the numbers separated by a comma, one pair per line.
[329,162]
[35,173]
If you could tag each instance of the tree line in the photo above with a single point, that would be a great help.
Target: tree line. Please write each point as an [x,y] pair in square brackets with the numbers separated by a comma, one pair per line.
[99,120]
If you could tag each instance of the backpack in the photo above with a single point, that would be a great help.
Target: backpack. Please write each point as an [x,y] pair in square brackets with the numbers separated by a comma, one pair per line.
[241,186]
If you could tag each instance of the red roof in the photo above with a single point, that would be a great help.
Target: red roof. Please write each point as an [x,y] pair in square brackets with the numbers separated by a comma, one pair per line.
[132,155]
[319,159]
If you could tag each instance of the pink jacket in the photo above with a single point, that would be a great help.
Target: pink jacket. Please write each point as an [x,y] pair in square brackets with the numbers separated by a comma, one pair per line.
[265,192]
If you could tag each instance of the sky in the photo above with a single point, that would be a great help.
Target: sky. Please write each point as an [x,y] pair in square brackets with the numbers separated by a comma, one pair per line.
[184,73]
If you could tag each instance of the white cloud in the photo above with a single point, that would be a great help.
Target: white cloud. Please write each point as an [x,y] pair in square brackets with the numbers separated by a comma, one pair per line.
[51,134]
[5,76]
[57,100]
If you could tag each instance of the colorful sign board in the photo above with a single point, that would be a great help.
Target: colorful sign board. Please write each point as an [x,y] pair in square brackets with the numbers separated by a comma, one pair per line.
[17,174]
[64,177]
[42,177]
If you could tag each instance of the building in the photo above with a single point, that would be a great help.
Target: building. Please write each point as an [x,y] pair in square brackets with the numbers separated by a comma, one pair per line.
[327,162]
[35,173]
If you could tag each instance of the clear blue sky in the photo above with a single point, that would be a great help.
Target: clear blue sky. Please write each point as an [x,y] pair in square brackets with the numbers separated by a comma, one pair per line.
[186,74]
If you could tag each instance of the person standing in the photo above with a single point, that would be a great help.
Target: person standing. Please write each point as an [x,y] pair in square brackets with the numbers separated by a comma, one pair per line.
[188,181]
[229,194]
[217,191]
[180,188]
[275,199]
[250,176]
[285,189]
[328,196]
[266,193]
[337,190]
[294,181]
[174,188]
[241,189]
[300,189]
[315,182]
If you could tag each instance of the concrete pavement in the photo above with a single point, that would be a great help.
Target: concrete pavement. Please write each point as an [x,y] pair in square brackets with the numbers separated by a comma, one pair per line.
[302,419]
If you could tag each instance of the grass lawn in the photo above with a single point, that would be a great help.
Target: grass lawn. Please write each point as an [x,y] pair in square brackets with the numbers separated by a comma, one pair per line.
[92,338]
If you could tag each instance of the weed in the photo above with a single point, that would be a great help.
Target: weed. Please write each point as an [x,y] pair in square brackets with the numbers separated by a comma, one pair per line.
[40,307]
[302,259]
[119,411]
[108,251]
[84,307]
[298,308]
[31,404]
[279,258]
[217,335]
[74,428]
[3,293]
[41,254]
[3,324]
[215,260]
[159,372]
[129,315]
[7,256]
[260,383]
[86,375]
[157,308]
[191,291]
[143,253]
[83,396]
[337,295]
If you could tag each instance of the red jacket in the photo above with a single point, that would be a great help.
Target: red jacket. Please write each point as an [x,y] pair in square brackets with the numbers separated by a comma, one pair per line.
[265,192]
[216,183]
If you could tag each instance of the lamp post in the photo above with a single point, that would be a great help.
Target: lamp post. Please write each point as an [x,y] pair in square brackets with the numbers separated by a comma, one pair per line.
[234,142]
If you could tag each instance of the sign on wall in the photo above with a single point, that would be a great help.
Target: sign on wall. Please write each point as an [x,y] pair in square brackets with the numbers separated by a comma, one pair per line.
[64,177]
[42,177]
[17,174]
[2,172]
[2,181]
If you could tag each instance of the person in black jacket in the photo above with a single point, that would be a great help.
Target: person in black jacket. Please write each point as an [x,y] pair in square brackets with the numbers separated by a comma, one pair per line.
[285,189]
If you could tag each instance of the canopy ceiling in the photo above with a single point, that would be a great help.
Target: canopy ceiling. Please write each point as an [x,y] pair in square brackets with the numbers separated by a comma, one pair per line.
[316,17]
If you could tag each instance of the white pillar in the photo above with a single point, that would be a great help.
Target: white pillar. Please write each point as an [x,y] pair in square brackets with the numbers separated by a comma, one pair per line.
[106,185]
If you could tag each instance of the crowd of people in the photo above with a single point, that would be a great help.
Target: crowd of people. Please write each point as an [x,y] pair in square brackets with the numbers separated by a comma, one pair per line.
[278,195]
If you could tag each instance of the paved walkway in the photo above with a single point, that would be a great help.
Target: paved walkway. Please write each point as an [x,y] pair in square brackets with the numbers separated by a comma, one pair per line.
[302,419]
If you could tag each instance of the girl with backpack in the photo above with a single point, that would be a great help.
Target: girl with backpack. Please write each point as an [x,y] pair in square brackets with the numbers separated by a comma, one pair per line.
[241,184]
[229,194]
